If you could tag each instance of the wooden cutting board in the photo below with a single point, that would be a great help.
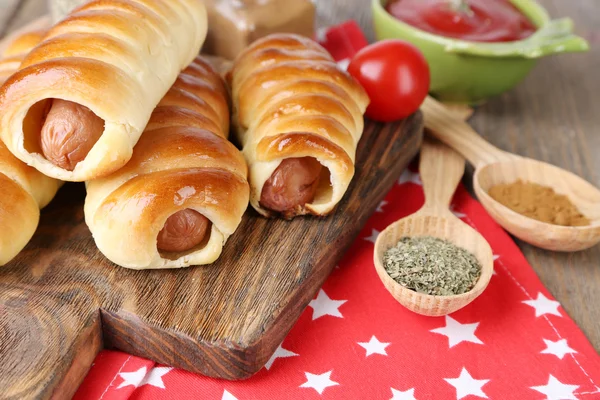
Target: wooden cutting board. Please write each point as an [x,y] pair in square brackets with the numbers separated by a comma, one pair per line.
[61,301]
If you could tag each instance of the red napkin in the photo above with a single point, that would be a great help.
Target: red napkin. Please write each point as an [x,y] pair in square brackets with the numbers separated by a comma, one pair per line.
[354,341]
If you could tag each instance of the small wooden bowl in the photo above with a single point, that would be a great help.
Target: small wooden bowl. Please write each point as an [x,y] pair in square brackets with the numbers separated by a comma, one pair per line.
[444,227]
[548,236]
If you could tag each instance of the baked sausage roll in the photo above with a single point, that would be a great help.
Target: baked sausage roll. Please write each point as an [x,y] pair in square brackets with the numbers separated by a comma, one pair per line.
[24,190]
[184,191]
[299,119]
[82,98]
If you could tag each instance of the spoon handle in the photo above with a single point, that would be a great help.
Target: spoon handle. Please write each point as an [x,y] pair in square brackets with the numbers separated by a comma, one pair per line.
[441,169]
[459,135]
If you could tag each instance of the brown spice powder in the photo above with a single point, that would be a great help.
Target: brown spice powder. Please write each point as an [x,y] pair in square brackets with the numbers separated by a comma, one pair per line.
[538,202]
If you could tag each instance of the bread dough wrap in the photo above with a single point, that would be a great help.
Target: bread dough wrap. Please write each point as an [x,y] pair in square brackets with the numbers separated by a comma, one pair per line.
[118,58]
[24,190]
[182,161]
[291,101]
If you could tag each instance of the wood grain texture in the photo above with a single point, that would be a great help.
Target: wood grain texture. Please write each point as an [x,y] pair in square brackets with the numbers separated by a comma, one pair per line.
[223,320]
[441,169]
[553,117]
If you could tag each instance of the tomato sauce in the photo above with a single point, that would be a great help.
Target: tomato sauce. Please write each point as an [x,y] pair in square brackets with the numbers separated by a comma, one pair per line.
[472,20]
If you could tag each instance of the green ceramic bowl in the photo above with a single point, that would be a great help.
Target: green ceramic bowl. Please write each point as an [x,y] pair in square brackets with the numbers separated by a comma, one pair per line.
[470,72]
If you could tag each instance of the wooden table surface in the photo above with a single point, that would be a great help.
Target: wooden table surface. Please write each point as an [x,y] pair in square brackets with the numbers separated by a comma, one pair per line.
[552,116]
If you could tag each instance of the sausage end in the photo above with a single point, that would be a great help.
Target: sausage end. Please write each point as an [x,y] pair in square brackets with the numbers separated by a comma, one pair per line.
[293,184]
[183,231]
[69,132]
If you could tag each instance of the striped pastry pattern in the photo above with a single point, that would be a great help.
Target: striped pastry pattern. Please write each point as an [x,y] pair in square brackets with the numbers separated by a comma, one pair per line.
[290,100]
[182,161]
[24,190]
[118,58]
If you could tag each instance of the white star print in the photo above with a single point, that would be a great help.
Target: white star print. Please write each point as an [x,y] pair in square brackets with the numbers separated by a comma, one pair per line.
[409,176]
[556,390]
[380,206]
[155,377]
[132,378]
[139,378]
[374,346]
[495,258]
[544,305]
[466,385]
[323,305]
[373,237]
[343,64]
[318,382]
[558,348]
[228,396]
[398,395]
[279,353]
[457,332]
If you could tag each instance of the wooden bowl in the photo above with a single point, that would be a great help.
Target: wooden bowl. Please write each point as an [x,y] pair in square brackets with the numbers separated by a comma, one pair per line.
[548,236]
[446,227]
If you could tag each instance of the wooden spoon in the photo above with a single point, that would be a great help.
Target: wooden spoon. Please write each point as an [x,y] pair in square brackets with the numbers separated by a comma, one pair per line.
[494,166]
[441,169]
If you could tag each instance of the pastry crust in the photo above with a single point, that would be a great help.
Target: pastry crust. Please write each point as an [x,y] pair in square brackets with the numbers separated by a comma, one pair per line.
[182,161]
[116,57]
[12,56]
[24,190]
[24,43]
[291,100]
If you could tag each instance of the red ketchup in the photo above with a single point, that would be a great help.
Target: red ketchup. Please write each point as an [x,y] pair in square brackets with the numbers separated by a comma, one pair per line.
[472,20]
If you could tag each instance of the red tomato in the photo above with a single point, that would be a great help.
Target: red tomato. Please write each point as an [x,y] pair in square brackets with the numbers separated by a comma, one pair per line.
[396,77]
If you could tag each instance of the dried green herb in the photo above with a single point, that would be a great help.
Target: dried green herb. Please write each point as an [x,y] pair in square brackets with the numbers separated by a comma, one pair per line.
[432,266]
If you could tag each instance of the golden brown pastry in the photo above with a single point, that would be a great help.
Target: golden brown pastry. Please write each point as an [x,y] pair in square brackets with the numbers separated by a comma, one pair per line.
[299,119]
[24,43]
[184,191]
[23,189]
[17,49]
[82,98]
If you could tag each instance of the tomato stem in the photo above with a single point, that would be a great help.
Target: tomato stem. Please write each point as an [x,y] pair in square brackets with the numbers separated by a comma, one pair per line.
[460,6]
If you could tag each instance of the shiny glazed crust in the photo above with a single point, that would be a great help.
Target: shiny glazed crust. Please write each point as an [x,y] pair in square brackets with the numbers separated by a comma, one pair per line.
[23,189]
[291,100]
[116,57]
[183,160]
